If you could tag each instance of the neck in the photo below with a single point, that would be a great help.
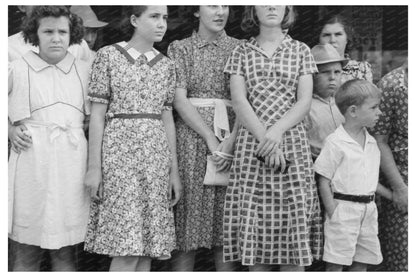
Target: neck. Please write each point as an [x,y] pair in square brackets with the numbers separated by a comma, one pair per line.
[140,44]
[353,129]
[270,34]
[207,34]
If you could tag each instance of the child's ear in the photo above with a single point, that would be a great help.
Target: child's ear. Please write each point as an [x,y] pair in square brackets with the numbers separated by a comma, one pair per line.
[352,110]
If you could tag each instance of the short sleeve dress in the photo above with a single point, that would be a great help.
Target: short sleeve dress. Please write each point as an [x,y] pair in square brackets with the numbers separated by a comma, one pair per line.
[199,67]
[393,224]
[360,70]
[48,201]
[272,218]
[134,217]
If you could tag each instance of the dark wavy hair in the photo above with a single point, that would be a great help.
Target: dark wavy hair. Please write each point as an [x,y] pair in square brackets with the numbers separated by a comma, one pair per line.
[30,24]
[250,22]
[332,18]
[125,24]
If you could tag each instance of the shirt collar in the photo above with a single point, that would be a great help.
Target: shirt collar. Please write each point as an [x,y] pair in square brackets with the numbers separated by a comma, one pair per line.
[253,43]
[343,135]
[219,41]
[319,98]
[38,64]
[150,55]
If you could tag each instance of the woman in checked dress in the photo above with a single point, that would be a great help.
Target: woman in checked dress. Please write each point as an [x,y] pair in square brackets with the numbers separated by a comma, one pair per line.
[272,213]
[132,166]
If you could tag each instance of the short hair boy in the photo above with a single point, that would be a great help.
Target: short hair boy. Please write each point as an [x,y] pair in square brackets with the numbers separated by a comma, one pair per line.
[349,169]
[324,116]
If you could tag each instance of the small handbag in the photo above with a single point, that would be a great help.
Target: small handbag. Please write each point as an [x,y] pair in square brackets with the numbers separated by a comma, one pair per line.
[212,176]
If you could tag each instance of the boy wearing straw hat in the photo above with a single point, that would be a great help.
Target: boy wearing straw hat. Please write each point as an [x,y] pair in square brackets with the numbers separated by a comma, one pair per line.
[90,22]
[324,116]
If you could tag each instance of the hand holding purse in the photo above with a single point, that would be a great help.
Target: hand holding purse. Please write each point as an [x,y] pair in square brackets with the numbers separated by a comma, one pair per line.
[212,175]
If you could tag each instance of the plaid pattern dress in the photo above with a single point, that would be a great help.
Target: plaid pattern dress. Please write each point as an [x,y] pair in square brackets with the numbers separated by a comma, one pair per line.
[269,217]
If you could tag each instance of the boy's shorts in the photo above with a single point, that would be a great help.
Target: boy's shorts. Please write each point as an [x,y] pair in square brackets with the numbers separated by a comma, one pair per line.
[351,234]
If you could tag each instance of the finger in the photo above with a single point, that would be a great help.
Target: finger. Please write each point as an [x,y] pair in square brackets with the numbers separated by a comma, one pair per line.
[259,147]
[267,149]
[262,148]
[282,162]
[174,201]
[100,191]
[223,166]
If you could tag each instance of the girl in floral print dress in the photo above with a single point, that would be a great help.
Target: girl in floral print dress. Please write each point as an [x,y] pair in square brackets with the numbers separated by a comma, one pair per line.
[272,213]
[132,166]
[200,60]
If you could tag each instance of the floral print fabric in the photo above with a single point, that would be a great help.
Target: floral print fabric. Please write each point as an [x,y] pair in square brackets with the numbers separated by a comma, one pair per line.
[199,69]
[356,70]
[134,217]
[393,224]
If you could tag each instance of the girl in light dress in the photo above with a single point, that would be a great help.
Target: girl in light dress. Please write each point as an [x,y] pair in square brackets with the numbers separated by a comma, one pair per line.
[48,203]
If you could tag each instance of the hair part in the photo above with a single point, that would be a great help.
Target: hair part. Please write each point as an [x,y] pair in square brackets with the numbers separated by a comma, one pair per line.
[332,18]
[250,23]
[126,27]
[354,93]
[31,23]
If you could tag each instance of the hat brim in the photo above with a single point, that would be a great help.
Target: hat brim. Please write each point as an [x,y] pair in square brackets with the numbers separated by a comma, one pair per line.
[94,24]
[343,62]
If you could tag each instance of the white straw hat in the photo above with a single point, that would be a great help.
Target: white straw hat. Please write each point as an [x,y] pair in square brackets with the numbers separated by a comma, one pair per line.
[326,53]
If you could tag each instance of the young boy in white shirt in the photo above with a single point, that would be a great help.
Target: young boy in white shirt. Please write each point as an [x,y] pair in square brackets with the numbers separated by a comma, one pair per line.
[348,166]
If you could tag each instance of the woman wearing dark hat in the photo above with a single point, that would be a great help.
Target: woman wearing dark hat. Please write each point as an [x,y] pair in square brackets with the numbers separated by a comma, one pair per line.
[90,22]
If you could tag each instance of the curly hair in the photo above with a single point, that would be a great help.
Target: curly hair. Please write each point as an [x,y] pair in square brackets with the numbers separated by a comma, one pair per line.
[30,24]
[250,22]
[125,24]
[332,18]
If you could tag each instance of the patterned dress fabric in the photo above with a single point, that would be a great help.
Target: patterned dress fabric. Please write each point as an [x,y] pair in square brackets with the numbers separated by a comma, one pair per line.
[50,203]
[272,218]
[356,70]
[133,218]
[199,69]
[393,224]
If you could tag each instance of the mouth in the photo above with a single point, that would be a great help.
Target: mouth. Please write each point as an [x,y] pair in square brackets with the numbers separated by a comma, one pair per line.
[219,21]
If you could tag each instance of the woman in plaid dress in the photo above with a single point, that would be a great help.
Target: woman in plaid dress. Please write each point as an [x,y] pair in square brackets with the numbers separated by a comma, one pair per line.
[272,216]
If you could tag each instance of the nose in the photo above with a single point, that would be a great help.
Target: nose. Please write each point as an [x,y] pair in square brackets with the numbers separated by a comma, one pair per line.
[162,23]
[332,39]
[379,112]
[55,37]
[332,76]
[220,10]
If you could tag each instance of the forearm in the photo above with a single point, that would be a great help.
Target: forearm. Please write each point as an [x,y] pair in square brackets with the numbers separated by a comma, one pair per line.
[385,192]
[326,193]
[191,117]
[295,115]
[301,108]
[388,165]
[96,133]
[245,113]
[169,124]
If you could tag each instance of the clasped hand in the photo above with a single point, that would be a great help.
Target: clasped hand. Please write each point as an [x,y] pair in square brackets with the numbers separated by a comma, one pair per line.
[270,151]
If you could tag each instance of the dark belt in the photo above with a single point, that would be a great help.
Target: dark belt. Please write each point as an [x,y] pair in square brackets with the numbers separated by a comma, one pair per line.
[135,115]
[354,198]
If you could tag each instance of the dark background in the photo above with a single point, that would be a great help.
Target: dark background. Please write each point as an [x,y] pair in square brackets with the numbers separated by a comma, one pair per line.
[389,51]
